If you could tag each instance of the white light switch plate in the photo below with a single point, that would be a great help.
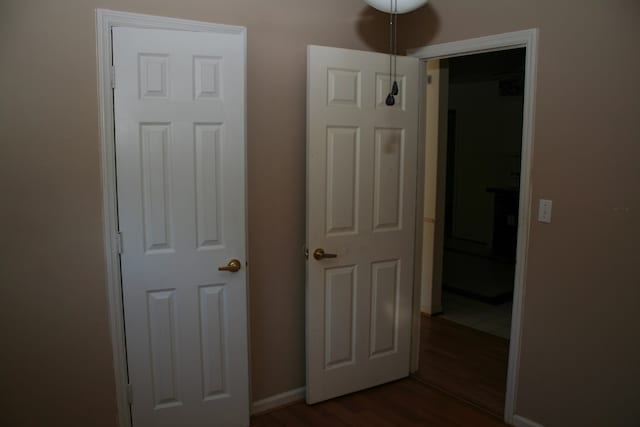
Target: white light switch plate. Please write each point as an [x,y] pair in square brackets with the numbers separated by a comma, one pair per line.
[544,211]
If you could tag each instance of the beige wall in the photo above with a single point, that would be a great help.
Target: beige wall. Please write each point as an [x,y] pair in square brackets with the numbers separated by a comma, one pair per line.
[55,356]
[581,339]
[580,330]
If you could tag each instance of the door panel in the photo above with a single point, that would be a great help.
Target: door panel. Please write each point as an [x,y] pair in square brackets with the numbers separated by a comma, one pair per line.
[162,345]
[387,176]
[180,153]
[361,166]
[214,343]
[340,291]
[342,183]
[384,307]
[208,226]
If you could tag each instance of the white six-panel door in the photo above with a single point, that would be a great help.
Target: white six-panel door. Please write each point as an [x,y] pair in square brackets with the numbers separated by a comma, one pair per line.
[180,152]
[361,193]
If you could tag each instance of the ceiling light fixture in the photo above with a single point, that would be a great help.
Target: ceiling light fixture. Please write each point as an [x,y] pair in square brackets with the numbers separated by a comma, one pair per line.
[393,8]
[399,6]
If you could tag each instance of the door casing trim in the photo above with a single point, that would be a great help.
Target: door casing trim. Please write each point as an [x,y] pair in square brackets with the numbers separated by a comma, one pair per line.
[105,21]
[517,39]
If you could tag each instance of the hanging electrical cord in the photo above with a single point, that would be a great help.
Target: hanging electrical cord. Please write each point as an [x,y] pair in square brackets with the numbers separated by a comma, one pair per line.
[390,100]
[393,53]
[394,89]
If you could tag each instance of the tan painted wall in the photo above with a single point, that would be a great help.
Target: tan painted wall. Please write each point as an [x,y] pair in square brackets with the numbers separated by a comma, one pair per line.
[581,329]
[581,339]
[55,351]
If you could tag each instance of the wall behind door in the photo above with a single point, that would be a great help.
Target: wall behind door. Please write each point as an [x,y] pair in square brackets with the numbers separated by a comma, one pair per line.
[55,362]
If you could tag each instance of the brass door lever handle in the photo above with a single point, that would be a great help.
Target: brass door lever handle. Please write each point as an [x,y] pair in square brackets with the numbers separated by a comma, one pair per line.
[321,254]
[233,266]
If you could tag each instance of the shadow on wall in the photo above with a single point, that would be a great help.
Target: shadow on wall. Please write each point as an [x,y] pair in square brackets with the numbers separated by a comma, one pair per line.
[418,28]
[372,28]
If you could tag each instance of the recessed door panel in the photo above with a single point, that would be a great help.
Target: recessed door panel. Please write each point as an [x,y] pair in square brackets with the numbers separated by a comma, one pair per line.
[388,174]
[207,77]
[155,140]
[343,87]
[213,341]
[385,277]
[343,145]
[384,86]
[153,75]
[162,333]
[207,164]
[340,297]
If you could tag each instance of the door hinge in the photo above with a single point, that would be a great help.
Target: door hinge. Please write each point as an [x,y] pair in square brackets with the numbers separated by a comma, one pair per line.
[113,77]
[129,394]
[119,245]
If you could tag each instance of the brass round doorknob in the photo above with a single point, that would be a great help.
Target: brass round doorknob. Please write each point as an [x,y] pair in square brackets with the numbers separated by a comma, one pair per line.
[233,266]
[321,254]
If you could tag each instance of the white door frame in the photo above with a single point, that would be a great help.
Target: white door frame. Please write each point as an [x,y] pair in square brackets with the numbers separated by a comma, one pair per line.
[518,39]
[105,20]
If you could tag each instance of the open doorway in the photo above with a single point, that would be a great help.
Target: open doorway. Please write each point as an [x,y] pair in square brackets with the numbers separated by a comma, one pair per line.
[483,155]
[474,131]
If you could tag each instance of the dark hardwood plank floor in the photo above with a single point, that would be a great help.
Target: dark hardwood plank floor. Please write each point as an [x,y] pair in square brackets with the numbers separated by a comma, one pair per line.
[402,403]
[469,364]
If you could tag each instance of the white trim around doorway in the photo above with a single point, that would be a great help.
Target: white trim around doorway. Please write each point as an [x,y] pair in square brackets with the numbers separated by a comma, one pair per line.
[520,39]
[105,21]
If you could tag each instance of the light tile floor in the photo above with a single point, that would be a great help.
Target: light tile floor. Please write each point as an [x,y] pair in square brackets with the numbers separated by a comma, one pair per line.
[493,319]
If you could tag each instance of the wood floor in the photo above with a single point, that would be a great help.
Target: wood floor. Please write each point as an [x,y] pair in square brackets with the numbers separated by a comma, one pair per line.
[454,361]
[402,403]
[464,362]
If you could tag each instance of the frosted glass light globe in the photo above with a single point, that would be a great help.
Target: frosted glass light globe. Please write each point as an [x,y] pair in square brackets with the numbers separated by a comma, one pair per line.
[403,6]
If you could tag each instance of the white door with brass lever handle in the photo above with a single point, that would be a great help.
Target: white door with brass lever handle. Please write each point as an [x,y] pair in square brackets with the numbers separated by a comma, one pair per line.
[321,254]
[361,186]
[180,150]
[233,266]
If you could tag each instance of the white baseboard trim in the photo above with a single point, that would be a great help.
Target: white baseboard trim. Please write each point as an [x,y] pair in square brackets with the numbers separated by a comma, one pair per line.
[519,421]
[281,399]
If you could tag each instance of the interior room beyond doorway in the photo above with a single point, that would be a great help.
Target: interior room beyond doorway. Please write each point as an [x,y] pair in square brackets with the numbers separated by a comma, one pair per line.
[472,184]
